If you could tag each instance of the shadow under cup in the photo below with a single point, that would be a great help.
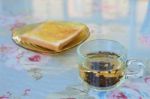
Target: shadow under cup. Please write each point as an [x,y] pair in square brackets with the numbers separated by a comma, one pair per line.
[103,64]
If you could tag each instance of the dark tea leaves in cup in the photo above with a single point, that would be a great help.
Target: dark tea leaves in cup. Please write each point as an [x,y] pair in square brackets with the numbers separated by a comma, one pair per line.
[103,69]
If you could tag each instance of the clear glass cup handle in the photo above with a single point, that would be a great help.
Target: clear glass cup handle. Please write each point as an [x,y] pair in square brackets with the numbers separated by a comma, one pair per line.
[135,69]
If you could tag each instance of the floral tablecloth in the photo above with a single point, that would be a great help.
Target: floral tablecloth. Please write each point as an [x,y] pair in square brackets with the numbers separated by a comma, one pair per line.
[28,75]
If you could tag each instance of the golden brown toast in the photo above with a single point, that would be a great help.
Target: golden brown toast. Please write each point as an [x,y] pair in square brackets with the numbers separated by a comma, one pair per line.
[52,35]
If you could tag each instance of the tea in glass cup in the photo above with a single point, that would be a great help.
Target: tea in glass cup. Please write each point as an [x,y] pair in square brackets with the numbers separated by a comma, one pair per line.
[103,64]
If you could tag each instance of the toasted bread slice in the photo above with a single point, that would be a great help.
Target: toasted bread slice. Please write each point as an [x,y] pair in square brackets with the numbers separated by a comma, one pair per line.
[52,35]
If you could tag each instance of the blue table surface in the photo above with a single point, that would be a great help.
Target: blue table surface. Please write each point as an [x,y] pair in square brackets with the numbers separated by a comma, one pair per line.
[22,78]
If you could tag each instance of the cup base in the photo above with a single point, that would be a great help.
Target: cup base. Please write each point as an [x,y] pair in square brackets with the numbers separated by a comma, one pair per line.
[110,88]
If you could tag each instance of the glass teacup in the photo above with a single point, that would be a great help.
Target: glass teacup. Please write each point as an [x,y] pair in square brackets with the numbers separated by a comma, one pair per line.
[103,64]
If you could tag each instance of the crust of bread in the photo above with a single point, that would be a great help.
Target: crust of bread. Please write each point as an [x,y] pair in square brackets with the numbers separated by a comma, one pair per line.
[69,39]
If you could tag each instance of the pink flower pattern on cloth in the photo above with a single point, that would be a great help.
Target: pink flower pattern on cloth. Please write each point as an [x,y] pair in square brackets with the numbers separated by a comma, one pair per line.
[9,95]
[13,57]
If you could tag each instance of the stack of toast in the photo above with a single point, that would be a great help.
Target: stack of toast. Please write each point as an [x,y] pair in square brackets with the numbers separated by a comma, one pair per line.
[53,35]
